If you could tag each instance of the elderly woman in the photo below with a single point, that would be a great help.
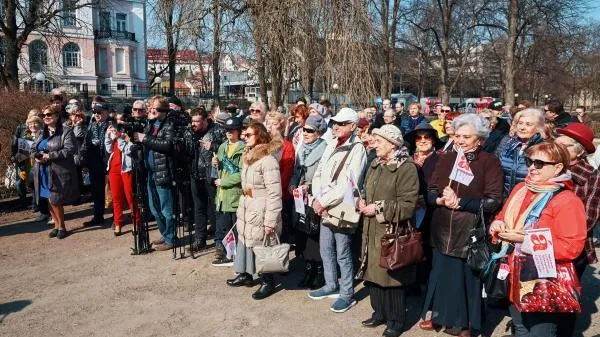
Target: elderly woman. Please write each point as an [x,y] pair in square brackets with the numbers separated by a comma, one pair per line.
[307,237]
[54,171]
[299,114]
[391,190]
[449,130]
[258,112]
[546,188]
[578,139]
[526,131]
[259,210]
[284,153]
[454,290]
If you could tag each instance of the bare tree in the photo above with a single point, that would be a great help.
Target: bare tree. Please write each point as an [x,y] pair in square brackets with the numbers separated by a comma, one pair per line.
[177,21]
[18,19]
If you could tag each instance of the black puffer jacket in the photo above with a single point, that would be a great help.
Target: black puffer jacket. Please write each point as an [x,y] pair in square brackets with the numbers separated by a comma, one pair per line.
[200,158]
[162,147]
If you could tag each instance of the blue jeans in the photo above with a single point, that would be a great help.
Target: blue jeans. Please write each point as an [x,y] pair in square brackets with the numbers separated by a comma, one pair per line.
[336,250]
[161,206]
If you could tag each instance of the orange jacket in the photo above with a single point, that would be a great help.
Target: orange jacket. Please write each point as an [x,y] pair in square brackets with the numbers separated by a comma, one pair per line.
[565,216]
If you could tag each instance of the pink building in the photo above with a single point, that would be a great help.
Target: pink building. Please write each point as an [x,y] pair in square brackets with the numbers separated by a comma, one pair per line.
[102,50]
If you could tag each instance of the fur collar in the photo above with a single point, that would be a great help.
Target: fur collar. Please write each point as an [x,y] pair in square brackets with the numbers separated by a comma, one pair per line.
[258,152]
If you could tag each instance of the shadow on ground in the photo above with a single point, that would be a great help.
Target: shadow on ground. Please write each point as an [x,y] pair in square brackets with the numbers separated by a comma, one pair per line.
[11,307]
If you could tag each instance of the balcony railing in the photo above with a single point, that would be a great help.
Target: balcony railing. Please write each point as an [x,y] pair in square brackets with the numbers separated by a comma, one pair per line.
[114,34]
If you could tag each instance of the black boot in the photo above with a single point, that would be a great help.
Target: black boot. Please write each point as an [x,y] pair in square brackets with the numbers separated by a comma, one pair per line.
[267,287]
[243,279]
[319,279]
[309,275]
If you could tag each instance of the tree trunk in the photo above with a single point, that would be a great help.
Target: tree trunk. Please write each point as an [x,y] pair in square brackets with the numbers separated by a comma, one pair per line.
[12,45]
[385,38]
[172,51]
[509,52]
[444,46]
[260,67]
[216,54]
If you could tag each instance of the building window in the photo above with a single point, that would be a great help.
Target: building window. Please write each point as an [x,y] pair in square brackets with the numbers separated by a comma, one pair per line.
[71,56]
[121,22]
[38,56]
[76,86]
[121,87]
[104,21]
[119,60]
[104,87]
[102,60]
[69,15]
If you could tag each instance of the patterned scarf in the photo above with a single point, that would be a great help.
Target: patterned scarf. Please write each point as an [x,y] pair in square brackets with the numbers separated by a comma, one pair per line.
[543,193]
[398,157]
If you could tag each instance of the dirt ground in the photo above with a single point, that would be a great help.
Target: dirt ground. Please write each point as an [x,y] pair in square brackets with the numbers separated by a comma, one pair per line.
[89,285]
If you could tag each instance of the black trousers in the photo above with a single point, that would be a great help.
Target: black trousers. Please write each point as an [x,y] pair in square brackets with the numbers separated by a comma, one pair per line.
[98,180]
[389,304]
[224,222]
[203,194]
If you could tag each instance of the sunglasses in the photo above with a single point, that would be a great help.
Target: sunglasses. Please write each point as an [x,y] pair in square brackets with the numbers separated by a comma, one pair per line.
[254,110]
[537,163]
[48,114]
[309,130]
[248,134]
[423,137]
[97,112]
[136,109]
[446,110]
[341,123]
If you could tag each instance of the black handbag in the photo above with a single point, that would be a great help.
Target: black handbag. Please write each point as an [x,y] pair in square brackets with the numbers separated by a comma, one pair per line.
[495,288]
[478,251]
[309,222]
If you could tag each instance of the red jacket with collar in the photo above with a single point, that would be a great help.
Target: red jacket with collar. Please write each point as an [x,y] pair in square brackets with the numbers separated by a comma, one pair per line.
[564,215]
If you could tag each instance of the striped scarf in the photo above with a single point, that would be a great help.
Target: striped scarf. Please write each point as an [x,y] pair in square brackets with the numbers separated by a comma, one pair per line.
[544,191]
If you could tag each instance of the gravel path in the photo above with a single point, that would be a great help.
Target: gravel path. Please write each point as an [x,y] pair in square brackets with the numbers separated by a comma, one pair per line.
[89,285]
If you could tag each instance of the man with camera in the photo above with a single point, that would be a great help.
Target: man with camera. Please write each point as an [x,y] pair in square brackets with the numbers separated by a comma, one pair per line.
[201,146]
[158,143]
[96,158]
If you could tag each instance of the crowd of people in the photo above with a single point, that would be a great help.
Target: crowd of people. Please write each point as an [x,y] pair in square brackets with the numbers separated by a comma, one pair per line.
[332,184]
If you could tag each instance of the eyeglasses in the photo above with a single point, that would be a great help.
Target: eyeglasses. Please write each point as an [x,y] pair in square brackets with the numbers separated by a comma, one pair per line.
[537,163]
[423,137]
[309,130]
[96,112]
[138,109]
[247,134]
[342,123]
[446,110]
[254,110]
[48,114]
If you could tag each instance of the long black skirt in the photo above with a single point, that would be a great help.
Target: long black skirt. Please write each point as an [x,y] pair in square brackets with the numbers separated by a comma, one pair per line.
[389,305]
[453,293]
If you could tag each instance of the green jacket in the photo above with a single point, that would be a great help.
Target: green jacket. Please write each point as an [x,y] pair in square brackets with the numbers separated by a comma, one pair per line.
[228,194]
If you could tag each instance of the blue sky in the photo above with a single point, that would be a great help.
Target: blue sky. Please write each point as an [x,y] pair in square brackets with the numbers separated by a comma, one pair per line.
[594,12]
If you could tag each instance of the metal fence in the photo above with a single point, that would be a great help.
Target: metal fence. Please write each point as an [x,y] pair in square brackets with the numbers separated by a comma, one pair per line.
[134,91]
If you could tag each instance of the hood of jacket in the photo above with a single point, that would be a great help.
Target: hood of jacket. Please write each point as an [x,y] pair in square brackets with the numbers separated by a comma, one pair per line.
[257,152]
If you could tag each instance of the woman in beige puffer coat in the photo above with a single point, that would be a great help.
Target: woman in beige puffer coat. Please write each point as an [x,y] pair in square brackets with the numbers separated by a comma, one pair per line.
[259,210]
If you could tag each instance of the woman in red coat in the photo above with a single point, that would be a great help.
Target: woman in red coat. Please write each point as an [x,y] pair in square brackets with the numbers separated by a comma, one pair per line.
[547,187]
[286,155]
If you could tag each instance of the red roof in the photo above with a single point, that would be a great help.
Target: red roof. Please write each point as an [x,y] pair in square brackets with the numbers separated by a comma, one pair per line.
[162,56]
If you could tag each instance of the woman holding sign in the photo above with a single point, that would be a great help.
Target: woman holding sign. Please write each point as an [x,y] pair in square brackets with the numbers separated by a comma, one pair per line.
[462,183]
[545,205]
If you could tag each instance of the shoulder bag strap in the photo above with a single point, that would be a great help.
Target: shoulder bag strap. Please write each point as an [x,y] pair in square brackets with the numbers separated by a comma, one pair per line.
[341,165]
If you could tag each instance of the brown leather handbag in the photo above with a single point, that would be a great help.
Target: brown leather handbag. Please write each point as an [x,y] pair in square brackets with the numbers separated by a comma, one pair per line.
[399,250]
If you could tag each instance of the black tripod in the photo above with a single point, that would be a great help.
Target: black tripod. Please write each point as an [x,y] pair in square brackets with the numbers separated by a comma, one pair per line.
[141,234]
[182,210]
